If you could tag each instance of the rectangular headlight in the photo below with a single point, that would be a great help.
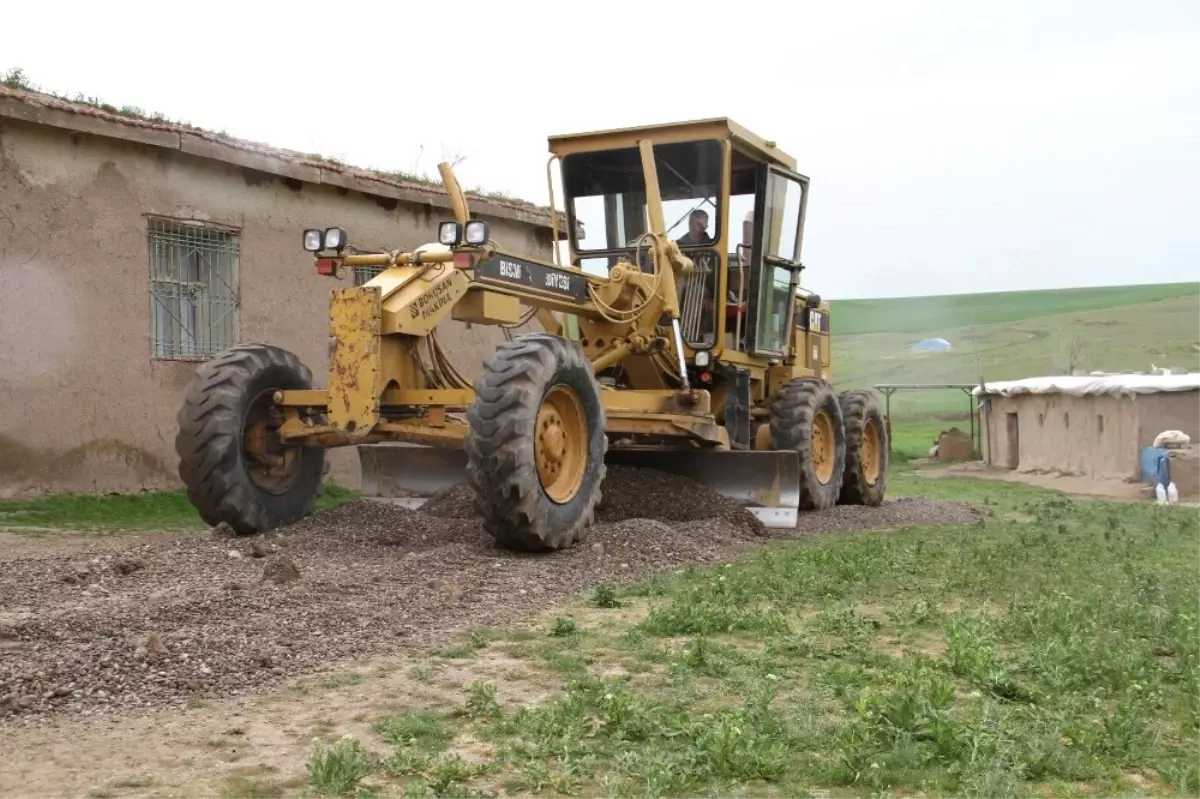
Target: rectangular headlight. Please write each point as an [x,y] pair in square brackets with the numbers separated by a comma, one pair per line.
[477,233]
[449,233]
[335,239]
[314,240]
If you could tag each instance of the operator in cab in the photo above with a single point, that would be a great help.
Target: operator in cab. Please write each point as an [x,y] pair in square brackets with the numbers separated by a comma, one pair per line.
[697,230]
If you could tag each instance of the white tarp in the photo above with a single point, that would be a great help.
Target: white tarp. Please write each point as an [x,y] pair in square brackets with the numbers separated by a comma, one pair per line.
[1118,385]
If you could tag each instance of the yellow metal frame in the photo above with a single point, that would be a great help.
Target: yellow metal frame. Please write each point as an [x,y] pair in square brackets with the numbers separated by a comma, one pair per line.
[389,381]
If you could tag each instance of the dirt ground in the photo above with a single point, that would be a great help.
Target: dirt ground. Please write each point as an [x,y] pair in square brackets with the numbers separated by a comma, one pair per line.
[1077,485]
[166,659]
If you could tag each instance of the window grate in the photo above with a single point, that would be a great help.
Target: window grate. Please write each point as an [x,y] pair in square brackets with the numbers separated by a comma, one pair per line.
[193,290]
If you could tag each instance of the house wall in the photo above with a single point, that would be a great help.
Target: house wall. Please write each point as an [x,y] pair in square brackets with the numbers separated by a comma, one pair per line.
[86,406]
[1092,435]
[1168,410]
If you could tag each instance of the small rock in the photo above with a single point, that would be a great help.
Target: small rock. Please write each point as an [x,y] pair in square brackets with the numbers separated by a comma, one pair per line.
[26,701]
[598,548]
[278,671]
[280,570]
[257,550]
[154,643]
[231,586]
[223,530]
[624,565]
[205,670]
[62,690]
[125,566]
[233,553]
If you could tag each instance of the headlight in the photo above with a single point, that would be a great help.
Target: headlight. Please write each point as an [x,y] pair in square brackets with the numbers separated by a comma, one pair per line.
[335,239]
[703,358]
[449,233]
[314,240]
[477,232]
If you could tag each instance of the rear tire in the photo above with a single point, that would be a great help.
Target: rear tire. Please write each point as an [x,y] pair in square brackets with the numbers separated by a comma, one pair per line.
[535,444]
[807,418]
[867,449]
[229,395]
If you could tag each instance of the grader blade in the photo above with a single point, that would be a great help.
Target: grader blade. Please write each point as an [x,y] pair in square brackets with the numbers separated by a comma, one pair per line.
[409,474]
[767,483]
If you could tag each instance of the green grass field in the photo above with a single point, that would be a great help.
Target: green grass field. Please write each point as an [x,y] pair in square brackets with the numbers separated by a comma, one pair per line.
[1050,649]
[918,314]
[1010,336]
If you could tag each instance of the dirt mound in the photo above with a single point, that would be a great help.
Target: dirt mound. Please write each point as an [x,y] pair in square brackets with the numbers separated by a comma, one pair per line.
[630,492]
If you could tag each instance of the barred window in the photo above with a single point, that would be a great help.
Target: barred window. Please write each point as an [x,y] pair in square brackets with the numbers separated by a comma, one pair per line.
[193,289]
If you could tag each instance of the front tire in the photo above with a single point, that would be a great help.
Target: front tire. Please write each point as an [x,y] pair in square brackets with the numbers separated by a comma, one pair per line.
[867,449]
[535,444]
[807,418]
[234,466]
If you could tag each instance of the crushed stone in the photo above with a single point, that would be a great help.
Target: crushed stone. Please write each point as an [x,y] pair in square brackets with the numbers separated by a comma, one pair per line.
[150,620]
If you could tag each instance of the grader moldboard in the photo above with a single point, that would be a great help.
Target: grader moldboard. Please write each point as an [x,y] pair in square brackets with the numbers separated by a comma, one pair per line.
[696,354]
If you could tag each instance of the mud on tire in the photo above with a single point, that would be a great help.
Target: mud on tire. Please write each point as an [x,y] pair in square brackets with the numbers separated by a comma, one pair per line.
[502,441]
[796,425]
[867,448]
[213,462]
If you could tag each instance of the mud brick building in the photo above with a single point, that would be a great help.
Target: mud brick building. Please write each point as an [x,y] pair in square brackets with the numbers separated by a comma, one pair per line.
[131,250]
[1092,426]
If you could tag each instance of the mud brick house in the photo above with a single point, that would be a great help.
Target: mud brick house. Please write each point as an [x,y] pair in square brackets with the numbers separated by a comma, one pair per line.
[132,249]
[1095,426]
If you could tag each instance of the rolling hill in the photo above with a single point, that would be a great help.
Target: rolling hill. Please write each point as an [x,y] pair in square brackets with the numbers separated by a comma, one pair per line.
[1005,336]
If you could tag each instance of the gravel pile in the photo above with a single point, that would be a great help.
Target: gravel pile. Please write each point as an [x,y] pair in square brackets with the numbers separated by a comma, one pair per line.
[150,623]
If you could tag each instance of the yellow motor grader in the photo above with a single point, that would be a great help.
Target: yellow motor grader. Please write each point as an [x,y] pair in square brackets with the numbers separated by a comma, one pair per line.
[676,337]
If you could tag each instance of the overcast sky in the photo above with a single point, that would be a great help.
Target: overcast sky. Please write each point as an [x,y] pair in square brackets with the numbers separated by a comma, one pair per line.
[952,146]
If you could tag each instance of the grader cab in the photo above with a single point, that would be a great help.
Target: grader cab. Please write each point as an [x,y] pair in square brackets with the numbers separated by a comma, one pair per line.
[676,337]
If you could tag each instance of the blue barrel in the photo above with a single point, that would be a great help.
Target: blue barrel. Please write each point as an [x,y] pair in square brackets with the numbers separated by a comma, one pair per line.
[1156,466]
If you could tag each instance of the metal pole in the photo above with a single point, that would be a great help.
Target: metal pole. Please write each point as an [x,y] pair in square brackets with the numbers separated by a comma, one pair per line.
[971,414]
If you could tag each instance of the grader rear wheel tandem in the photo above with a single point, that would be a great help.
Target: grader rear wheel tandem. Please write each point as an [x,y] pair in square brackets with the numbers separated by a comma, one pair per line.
[807,418]
[866,449]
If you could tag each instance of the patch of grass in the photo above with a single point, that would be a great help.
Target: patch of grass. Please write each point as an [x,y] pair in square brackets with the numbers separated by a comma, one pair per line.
[420,674]
[343,680]
[474,641]
[252,786]
[604,596]
[164,510]
[416,728]
[481,701]
[564,628]
[337,770]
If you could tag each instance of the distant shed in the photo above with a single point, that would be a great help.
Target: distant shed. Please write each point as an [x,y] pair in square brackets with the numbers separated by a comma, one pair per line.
[1092,426]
